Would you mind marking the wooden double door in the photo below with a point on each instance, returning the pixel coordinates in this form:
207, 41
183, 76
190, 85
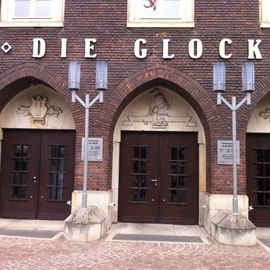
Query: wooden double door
158, 177
37, 172
258, 178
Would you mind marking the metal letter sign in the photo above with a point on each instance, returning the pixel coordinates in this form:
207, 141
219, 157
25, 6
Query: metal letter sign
95, 149
225, 152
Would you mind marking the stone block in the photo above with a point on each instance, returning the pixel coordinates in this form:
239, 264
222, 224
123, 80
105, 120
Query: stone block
230, 229
85, 224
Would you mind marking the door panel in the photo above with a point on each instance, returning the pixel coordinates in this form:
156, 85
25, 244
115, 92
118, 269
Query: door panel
37, 174
258, 178
56, 179
179, 181
166, 189
137, 170
19, 165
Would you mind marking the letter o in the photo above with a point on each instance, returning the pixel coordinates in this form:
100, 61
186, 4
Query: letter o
195, 48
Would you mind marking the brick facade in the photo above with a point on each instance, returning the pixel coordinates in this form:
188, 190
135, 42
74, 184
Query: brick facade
128, 76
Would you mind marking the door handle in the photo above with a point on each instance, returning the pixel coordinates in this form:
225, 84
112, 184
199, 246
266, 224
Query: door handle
154, 180
163, 200
35, 179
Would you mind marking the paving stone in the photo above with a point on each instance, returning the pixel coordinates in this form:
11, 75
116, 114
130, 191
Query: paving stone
60, 254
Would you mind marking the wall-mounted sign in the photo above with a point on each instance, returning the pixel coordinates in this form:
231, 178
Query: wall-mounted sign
95, 149
225, 152
141, 47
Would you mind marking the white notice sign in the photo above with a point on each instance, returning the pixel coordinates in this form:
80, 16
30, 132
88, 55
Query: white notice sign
95, 149
225, 152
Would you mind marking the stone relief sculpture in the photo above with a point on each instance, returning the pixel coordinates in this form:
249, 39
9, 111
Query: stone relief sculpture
159, 113
265, 114
39, 109
158, 109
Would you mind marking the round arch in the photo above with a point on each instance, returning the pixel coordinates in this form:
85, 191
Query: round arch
34, 115
34, 72
260, 98
25, 75
37, 107
172, 85
173, 79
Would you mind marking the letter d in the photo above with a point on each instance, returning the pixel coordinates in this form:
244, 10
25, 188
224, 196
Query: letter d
39, 47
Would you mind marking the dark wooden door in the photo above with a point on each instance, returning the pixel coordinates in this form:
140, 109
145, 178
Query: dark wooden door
258, 178
18, 169
158, 177
36, 174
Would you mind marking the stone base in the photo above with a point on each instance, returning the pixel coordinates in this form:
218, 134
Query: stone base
85, 224
101, 199
230, 229
220, 203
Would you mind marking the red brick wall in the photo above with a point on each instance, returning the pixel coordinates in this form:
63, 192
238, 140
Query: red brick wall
106, 21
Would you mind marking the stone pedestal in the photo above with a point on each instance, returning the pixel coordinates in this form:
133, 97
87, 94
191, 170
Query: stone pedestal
230, 229
85, 224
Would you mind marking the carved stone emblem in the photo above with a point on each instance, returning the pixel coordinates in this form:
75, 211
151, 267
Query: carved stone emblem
265, 114
159, 114
158, 108
38, 109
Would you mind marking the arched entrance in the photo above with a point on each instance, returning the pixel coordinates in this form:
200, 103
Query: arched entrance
160, 143
37, 157
258, 163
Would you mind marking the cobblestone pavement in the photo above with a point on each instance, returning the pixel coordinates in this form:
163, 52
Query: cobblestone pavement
43, 254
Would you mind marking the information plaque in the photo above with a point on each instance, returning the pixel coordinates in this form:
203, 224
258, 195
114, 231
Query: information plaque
225, 152
95, 149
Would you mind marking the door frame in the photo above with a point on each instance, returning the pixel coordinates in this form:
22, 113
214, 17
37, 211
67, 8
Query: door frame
156, 207
135, 106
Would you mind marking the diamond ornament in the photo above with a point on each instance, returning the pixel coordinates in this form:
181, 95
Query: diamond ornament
6, 47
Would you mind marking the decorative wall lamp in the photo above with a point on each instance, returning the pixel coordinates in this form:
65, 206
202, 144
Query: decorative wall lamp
74, 86
248, 82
